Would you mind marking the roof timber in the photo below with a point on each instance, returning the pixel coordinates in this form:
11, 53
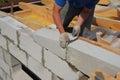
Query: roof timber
108, 12
107, 23
104, 2
34, 16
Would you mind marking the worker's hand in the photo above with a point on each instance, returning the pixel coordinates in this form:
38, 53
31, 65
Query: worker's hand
76, 31
64, 39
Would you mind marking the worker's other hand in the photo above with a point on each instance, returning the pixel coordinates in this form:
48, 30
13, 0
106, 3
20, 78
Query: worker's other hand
76, 31
64, 40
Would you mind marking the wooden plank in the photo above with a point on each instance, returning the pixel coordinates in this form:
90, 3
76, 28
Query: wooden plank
104, 2
48, 2
104, 42
107, 23
31, 24
100, 75
43, 12
108, 12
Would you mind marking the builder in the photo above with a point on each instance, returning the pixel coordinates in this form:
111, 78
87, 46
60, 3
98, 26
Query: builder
82, 8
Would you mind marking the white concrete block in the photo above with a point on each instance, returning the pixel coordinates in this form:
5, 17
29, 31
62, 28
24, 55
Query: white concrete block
59, 67
9, 26
21, 75
3, 42
18, 54
87, 57
9, 59
2, 75
9, 29
28, 45
5, 66
49, 39
16, 68
37, 68
1, 53
13, 22
55, 77
9, 78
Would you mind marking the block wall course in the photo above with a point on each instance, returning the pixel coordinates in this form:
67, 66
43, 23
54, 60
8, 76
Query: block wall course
8, 28
40, 52
1, 53
27, 44
59, 66
49, 39
5, 66
18, 53
2, 74
87, 57
37, 68
3, 42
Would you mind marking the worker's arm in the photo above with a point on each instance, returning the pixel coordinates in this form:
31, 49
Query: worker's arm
83, 16
63, 38
57, 18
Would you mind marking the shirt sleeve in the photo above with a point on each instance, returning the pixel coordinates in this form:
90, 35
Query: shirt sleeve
60, 3
92, 4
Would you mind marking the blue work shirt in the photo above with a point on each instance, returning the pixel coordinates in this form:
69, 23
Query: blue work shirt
78, 3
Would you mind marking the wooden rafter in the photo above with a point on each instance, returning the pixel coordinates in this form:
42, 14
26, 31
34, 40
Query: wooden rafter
107, 23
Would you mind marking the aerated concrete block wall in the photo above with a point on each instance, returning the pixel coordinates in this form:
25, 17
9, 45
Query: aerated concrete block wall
40, 52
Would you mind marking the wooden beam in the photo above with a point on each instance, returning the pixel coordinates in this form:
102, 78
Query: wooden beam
48, 2
104, 2
107, 23
34, 14
29, 23
108, 12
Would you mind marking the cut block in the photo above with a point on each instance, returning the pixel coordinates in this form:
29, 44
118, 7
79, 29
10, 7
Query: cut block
55, 77
9, 59
37, 68
82, 54
49, 39
2, 74
21, 75
60, 67
9, 26
5, 66
1, 53
27, 44
18, 54
3, 42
